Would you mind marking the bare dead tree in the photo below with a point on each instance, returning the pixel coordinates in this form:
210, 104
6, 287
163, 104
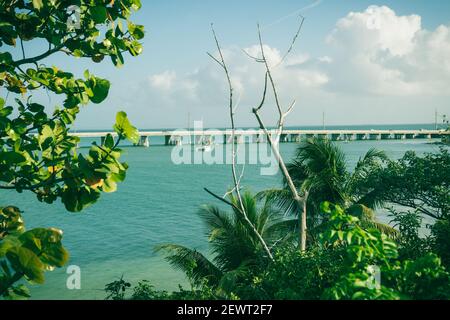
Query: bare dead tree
236, 180
274, 140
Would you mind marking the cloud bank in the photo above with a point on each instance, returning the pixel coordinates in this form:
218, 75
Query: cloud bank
376, 65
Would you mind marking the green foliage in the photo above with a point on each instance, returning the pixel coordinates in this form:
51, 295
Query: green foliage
418, 182
124, 128
423, 278
293, 275
363, 249
235, 248
441, 240
26, 253
37, 151
116, 290
145, 291
411, 245
344, 265
350, 261
319, 168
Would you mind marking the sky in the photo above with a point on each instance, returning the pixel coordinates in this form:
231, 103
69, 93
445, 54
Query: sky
356, 61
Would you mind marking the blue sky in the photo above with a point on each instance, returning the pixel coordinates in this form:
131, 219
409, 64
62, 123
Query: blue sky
395, 72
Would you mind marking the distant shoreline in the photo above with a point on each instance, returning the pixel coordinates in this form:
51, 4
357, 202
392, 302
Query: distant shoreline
427, 126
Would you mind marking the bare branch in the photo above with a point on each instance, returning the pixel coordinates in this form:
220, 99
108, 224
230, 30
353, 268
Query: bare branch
252, 57
214, 58
236, 180
239, 180
274, 141
294, 40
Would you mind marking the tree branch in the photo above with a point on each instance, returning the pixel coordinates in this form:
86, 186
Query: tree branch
274, 143
236, 180
39, 57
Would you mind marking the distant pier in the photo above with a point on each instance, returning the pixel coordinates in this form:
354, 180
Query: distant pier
178, 137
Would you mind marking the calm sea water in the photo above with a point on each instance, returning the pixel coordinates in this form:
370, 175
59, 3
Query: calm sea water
156, 204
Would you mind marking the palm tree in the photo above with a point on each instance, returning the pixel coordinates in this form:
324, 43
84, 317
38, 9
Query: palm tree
319, 168
235, 248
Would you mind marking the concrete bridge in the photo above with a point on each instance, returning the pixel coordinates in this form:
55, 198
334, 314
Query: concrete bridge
177, 137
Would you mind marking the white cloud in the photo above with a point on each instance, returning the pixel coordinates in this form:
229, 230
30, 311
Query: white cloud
205, 91
374, 62
163, 81
381, 53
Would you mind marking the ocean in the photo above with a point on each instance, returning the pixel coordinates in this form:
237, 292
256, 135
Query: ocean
156, 204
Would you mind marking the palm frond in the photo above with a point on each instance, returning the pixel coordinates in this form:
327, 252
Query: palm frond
191, 262
282, 199
372, 199
367, 220
382, 227
281, 229
215, 220
371, 156
231, 278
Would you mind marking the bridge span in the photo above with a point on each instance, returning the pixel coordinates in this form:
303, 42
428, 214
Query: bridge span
177, 137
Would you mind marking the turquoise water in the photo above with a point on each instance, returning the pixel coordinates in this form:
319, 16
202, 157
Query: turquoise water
156, 204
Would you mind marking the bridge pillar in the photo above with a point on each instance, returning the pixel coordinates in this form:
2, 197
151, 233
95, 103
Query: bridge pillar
209, 139
385, 136
374, 136
335, 136
144, 141
177, 140
167, 140
410, 136
349, 137
284, 138
261, 138
360, 136
309, 135
399, 136
423, 136
199, 140
296, 138
238, 139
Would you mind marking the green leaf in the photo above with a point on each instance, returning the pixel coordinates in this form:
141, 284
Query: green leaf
50, 250
100, 89
27, 262
8, 243
137, 31
36, 107
98, 14
20, 292
109, 186
123, 127
109, 141
12, 157
76, 200
37, 4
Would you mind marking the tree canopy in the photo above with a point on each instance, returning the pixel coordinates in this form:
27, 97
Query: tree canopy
38, 153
